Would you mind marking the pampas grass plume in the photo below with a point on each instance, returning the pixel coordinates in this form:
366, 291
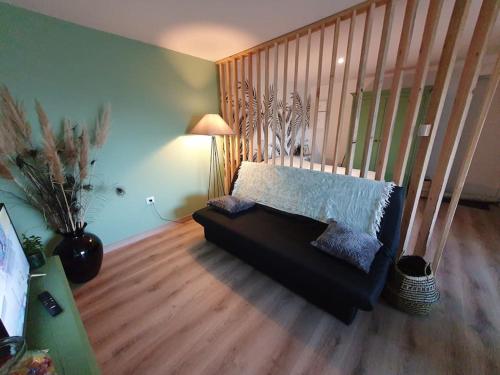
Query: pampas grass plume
50, 149
5, 172
70, 151
83, 161
102, 127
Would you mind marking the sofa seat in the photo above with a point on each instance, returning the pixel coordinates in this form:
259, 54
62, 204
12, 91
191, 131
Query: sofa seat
278, 244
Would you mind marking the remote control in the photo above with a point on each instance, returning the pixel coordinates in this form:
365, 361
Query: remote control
50, 303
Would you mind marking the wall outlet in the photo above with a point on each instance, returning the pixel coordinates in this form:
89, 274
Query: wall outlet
150, 200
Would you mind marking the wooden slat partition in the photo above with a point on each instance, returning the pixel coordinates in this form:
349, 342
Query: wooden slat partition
315, 26
318, 93
330, 91
464, 168
353, 128
237, 111
417, 89
343, 95
275, 101
377, 87
266, 105
259, 115
397, 82
283, 123
433, 116
468, 79
304, 104
242, 104
294, 114
250, 107
244, 113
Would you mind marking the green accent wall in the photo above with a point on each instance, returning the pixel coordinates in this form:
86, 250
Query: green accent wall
154, 94
397, 132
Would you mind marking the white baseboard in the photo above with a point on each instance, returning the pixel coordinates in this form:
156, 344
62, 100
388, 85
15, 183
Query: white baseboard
141, 236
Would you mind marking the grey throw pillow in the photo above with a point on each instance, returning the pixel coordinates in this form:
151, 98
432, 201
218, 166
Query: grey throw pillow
355, 247
230, 205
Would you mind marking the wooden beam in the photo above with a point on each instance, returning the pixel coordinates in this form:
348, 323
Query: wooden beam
329, 99
464, 168
294, 114
315, 26
283, 120
259, 115
274, 119
266, 106
397, 81
222, 88
433, 116
243, 109
318, 92
304, 99
353, 129
230, 117
468, 79
343, 95
377, 87
250, 107
237, 136
428, 38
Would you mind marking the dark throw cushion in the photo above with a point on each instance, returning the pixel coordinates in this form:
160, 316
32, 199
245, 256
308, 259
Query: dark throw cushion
230, 205
355, 247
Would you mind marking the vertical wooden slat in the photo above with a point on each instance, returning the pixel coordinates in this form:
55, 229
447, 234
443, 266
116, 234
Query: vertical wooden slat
468, 79
377, 87
294, 114
237, 112
353, 129
397, 81
304, 99
343, 95
274, 120
329, 99
318, 92
258, 126
243, 109
250, 107
433, 116
428, 38
283, 119
266, 106
230, 117
222, 84
464, 168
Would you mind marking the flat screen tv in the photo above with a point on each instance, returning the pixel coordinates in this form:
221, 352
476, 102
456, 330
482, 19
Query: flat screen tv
14, 278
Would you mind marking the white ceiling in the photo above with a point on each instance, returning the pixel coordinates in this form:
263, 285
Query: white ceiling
208, 29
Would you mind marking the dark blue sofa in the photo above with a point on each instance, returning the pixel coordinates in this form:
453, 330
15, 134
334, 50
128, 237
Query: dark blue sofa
278, 244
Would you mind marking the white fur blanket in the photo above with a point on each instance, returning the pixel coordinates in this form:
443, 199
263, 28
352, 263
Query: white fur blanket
356, 202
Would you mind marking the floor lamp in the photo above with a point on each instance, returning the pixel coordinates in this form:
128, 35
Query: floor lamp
213, 125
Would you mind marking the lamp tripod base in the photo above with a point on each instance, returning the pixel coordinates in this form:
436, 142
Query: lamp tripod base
215, 177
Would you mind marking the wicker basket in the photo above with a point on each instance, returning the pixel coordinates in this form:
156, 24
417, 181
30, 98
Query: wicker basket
411, 286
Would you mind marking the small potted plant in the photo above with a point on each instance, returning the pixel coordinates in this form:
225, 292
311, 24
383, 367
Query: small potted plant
33, 248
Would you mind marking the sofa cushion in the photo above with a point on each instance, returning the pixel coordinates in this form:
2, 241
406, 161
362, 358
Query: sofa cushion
282, 241
355, 247
230, 205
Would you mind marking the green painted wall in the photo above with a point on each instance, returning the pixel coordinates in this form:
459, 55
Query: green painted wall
154, 94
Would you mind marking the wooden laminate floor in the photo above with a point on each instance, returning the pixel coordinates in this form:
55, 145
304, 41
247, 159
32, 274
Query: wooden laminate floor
176, 304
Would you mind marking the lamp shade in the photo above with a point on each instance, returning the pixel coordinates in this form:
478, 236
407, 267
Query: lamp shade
212, 124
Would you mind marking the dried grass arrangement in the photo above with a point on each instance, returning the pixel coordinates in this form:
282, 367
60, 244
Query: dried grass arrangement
56, 177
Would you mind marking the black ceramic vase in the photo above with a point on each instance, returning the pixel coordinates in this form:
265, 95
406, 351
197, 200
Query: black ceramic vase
81, 255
